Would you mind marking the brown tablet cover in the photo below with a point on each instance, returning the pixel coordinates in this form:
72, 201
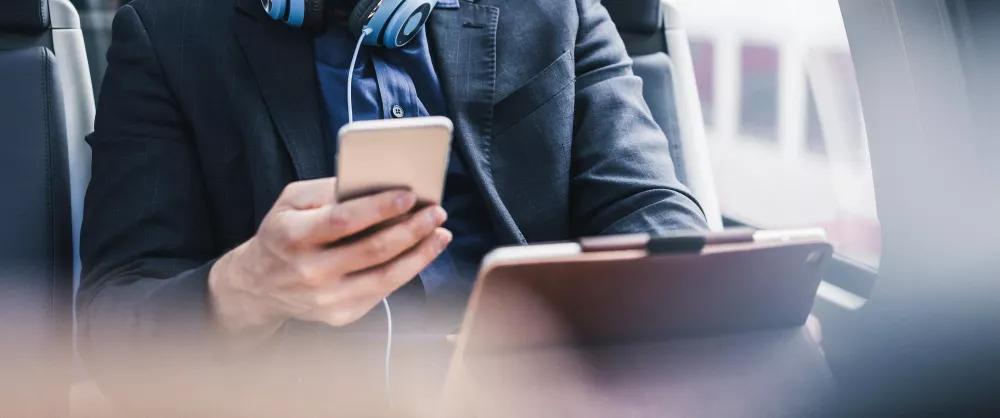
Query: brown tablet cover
607, 296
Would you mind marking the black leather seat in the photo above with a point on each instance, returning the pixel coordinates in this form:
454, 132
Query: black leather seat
36, 240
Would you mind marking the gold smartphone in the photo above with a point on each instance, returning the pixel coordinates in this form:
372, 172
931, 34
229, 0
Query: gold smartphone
379, 155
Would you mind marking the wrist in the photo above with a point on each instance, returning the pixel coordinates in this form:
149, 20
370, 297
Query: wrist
233, 308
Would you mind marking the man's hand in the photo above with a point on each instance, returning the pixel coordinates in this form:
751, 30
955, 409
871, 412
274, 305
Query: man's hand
306, 262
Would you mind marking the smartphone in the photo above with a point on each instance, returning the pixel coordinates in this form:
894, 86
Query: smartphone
379, 155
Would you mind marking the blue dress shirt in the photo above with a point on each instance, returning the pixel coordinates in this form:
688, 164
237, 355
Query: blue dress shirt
389, 83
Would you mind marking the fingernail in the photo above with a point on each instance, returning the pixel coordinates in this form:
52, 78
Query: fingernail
437, 215
443, 239
405, 200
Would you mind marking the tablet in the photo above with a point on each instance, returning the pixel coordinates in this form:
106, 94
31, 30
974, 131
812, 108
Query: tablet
635, 288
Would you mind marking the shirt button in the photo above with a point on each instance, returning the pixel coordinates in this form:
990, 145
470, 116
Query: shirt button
397, 111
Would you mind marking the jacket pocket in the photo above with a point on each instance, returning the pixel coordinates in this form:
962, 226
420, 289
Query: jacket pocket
535, 93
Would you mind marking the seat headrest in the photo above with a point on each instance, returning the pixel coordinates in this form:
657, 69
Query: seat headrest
636, 16
24, 16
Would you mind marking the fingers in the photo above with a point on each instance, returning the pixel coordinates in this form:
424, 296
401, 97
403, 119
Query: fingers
298, 229
308, 194
336, 222
345, 301
333, 222
311, 248
373, 250
379, 282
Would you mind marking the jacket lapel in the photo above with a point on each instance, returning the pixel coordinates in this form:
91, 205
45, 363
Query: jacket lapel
464, 48
282, 61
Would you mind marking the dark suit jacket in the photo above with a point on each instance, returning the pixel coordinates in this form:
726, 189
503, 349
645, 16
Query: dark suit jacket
209, 108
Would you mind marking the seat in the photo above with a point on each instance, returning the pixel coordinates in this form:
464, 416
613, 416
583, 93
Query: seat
45, 110
55, 25
95, 18
35, 236
661, 56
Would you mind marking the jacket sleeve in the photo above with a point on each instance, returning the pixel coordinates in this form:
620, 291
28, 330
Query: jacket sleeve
146, 241
623, 179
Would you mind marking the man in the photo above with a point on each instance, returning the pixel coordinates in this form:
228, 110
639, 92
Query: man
211, 210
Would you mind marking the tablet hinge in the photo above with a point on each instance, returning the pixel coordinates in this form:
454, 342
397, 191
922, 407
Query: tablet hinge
683, 242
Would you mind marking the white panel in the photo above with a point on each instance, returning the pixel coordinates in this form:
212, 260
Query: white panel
692, 126
63, 15
78, 101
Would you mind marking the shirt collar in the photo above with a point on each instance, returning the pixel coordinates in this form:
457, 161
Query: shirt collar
447, 4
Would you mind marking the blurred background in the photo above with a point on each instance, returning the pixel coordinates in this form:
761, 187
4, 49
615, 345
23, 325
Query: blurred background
783, 117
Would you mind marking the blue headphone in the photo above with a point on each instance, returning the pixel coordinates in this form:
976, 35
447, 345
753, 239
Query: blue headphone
393, 23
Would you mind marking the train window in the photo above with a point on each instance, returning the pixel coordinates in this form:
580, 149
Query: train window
787, 138
815, 142
759, 92
703, 55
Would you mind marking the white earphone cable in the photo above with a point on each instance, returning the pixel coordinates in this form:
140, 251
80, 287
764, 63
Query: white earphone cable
388, 351
350, 119
350, 74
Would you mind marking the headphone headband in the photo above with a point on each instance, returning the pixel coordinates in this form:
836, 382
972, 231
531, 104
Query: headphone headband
393, 23
363, 12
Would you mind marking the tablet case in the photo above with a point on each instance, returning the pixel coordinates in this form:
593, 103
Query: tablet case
635, 288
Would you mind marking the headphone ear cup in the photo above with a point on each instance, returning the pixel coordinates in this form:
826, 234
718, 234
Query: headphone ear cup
313, 13
360, 14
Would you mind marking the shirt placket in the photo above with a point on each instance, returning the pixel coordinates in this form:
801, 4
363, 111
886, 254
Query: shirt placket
396, 91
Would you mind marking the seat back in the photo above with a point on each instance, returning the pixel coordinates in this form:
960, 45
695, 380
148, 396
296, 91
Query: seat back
661, 56
46, 108
36, 279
